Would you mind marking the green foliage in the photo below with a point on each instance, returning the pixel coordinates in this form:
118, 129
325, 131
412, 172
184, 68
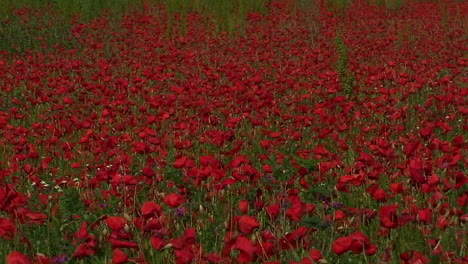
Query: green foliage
311, 165
388, 4
316, 222
33, 29
346, 79
85, 9
70, 203
227, 16
338, 6
316, 193
19, 34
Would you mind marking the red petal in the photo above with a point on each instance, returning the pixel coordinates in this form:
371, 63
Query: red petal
149, 208
189, 236
16, 257
116, 222
119, 257
83, 251
123, 244
247, 224
174, 200
180, 162
315, 254
7, 229
341, 245
83, 232
247, 250
157, 243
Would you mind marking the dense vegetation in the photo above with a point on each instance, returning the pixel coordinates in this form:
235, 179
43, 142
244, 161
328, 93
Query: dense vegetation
209, 131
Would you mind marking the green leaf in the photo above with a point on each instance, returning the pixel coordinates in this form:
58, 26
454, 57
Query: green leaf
315, 222
311, 165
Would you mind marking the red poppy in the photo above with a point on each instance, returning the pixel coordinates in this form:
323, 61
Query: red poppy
157, 243
82, 251
180, 162
296, 210
7, 228
184, 256
248, 252
243, 206
413, 257
174, 200
315, 254
360, 242
247, 224
388, 216
119, 257
82, 233
341, 245
116, 222
189, 237
16, 257
150, 208
41, 259
214, 258
425, 216
115, 243
397, 187
371, 249
273, 211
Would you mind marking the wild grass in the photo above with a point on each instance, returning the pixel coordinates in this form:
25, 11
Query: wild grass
45, 24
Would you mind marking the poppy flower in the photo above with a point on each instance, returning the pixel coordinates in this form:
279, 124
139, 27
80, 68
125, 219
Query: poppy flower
115, 243
7, 228
341, 245
425, 216
16, 257
247, 224
184, 256
214, 258
82, 251
296, 210
273, 211
116, 222
41, 259
150, 208
371, 249
360, 242
180, 162
174, 200
315, 254
243, 206
388, 216
248, 251
82, 233
118, 256
157, 243
414, 257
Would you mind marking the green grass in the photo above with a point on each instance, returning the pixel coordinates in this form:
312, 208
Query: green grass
46, 24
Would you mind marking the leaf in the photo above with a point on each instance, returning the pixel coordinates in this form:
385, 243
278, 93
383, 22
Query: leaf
311, 165
71, 204
315, 222
318, 192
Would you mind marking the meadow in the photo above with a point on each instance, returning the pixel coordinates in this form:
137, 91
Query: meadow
233, 131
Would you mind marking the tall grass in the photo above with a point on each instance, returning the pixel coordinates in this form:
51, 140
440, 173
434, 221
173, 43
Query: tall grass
346, 78
388, 4
20, 31
44, 24
227, 15
85, 9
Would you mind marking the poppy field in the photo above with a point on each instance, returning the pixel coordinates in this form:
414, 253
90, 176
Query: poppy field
234, 131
